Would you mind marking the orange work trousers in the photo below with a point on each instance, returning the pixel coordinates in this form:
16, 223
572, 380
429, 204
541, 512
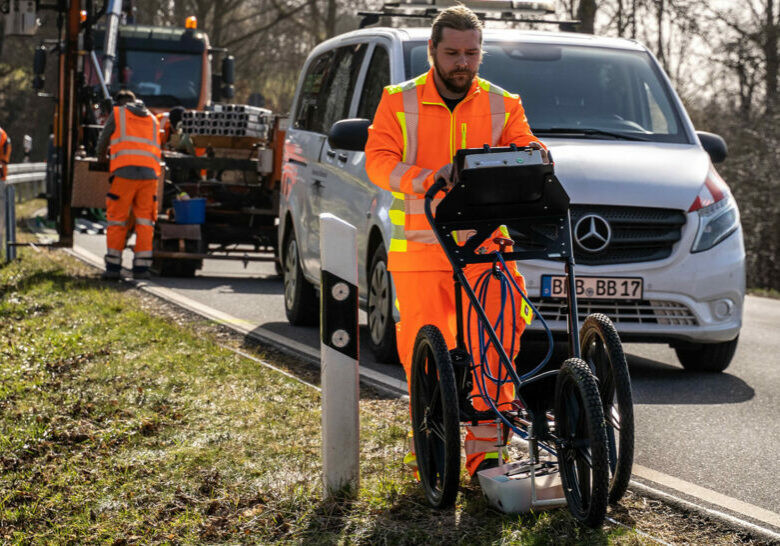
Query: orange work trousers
141, 195
428, 297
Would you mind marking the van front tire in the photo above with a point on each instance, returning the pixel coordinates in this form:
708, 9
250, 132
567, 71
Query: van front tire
706, 357
301, 304
381, 326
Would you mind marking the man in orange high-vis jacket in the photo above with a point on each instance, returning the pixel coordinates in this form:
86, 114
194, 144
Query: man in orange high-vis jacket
5, 153
132, 140
417, 128
168, 123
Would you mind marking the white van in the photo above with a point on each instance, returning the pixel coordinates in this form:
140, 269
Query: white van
658, 242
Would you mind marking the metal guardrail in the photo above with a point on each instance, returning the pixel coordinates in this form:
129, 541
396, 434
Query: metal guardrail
23, 181
28, 179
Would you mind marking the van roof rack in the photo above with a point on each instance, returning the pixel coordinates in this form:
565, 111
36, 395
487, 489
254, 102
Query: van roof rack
508, 11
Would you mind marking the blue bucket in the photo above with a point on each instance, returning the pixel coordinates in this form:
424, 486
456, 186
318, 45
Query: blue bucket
190, 211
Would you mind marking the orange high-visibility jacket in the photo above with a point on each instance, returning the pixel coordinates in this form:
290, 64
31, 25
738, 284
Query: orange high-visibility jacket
413, 135
5, 153
135, 141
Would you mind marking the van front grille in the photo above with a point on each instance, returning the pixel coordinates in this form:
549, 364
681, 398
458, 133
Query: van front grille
638, 234
621, 312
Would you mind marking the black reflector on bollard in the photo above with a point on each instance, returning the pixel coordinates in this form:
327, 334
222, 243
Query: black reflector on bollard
339, 314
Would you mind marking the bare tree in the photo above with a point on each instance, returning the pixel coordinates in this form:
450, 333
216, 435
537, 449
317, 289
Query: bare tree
752, 29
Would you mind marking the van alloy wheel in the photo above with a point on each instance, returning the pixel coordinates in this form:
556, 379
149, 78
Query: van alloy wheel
381, 300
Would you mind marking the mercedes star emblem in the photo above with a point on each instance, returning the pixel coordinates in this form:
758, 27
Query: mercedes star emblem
592, 233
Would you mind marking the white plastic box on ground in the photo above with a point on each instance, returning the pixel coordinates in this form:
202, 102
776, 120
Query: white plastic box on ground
512, 489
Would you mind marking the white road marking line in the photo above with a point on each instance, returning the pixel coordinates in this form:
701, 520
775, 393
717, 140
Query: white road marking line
270, 366
708, 495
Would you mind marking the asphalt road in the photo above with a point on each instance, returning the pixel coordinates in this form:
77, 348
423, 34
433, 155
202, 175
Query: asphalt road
712, 439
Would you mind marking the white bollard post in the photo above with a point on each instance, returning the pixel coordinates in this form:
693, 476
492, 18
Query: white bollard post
339, 354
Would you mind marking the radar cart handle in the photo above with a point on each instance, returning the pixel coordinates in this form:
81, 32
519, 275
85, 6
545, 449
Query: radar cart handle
439, 185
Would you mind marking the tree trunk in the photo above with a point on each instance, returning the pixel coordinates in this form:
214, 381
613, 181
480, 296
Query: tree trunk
330, 21
619, 16
586, 13
660, 22
771, 57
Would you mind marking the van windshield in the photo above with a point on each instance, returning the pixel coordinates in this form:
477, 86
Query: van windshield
578, 91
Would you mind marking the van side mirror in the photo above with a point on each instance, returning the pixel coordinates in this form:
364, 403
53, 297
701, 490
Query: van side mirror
349, 134
714, 145
229, 70
39, 67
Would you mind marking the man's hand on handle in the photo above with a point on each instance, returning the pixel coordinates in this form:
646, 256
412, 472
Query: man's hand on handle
537, 146
446, 172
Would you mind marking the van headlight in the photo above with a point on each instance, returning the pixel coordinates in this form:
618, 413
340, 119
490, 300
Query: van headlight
716, 222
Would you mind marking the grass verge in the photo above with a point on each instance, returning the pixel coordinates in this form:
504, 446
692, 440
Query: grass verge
124, 421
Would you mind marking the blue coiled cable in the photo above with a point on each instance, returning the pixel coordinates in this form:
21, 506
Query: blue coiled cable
482, 372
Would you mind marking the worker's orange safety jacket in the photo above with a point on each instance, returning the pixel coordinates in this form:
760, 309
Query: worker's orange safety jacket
5, 154
413, 135
135, 141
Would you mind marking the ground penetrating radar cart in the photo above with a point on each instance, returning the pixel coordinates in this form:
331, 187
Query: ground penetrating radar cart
576, 418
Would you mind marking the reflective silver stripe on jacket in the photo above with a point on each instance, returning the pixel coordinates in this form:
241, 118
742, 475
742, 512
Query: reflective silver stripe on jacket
397, 174
123, 136
135, 152
144, 222
421, 236
497, 113
417, 206
412, 117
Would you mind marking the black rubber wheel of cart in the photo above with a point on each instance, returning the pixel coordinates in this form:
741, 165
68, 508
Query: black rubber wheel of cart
582, 443
602, 351
435, 418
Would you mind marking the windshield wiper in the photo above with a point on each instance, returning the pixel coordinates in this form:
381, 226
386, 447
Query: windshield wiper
587, 131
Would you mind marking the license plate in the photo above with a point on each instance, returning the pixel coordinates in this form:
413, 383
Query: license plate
597, 288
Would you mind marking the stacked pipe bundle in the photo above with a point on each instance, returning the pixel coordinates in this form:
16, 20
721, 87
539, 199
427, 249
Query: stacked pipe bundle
228, 120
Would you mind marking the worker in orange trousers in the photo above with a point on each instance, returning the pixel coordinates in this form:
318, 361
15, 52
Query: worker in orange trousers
132, 141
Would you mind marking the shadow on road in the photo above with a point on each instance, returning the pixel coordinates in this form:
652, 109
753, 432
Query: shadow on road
308, 339
260, 285
658, 383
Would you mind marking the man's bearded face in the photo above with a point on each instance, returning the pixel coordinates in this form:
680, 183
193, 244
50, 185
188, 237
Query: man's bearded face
456, 58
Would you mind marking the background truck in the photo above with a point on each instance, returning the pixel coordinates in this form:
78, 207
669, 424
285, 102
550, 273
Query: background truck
100, 51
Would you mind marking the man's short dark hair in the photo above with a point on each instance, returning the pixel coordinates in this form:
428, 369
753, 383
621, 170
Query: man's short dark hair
124, 96
175, 115
457, 17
